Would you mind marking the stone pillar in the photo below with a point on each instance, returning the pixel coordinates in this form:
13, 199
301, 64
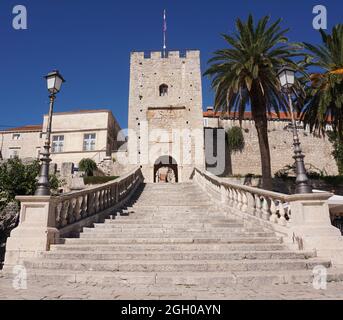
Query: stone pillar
311, 228
36, 230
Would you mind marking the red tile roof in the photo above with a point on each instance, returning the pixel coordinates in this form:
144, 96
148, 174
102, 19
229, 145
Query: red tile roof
247, 115
30, 128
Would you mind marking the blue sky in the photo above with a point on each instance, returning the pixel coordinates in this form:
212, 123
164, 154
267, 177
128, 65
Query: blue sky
90, 42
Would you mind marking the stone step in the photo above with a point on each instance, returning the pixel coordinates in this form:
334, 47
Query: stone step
175, 256
189, 205
240, 240
169, 247
131, 224
177, 266
96, 233
167, 219
139, 221
138, 280
173, 229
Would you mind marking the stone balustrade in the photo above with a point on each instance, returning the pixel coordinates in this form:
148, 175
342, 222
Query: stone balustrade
73, 207
45, 220
301, 220
262, 204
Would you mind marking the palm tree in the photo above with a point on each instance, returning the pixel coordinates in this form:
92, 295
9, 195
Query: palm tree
245, 75
325, 93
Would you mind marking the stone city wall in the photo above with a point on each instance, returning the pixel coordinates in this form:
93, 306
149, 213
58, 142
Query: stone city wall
318, 151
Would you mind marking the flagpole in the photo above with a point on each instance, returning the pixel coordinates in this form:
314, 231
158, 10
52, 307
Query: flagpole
164, 33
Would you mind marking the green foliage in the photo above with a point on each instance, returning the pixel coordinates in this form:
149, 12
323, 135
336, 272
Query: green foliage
88, 166
17, 178
338, 151
235, 139
325, 90
98, 180
289, 171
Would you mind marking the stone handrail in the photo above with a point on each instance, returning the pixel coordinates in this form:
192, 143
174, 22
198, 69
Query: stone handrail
302, 220
73, 207
267, 205
45, 221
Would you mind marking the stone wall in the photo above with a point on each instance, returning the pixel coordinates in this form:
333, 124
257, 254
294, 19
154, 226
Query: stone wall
179, 109
318, 151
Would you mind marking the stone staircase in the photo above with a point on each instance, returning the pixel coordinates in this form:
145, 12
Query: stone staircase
172, 235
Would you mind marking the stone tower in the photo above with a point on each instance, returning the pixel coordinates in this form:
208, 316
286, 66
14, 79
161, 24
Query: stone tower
165, 114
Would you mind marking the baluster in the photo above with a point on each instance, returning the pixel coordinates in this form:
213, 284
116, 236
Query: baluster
273, 210
58, 215
71, 215
92, 203
101, 200
84, 209
251, 204
282, 212
231, 200
112, 196
105, 198
258, 211
97, 202
77, 210
239, 200
116, 193
244, 202
265, 209
64, 211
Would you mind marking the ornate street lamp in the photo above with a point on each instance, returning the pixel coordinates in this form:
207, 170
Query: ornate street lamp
54, 82
287, 79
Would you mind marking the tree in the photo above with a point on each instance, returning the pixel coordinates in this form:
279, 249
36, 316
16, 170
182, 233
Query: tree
245, 75
88, 166
20, 179
324, 104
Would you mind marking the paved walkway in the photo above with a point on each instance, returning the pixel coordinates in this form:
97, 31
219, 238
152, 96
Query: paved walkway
43, 291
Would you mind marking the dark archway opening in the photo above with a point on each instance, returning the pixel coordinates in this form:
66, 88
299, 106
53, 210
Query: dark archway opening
166, 170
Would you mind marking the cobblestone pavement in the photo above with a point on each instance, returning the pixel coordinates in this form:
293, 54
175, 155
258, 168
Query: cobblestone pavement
43, 291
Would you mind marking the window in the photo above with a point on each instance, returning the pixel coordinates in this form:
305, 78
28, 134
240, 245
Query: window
89, 142
205, 122
163, 90
57, 144
16, 136
14, 153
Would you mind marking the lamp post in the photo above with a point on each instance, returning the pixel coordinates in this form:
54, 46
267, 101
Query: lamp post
54, 82
287, 79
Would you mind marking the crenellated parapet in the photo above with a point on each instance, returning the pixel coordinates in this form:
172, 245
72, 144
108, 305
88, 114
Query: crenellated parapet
157, 55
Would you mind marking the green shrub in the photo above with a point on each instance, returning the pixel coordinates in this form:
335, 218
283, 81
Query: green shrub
235, 139
98, 180
88, 166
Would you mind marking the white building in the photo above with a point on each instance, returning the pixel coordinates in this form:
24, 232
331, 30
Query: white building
75, 135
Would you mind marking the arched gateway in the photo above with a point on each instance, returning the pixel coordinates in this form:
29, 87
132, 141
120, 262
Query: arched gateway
166, 170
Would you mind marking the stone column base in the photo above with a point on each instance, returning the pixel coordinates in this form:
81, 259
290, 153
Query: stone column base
35, 233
